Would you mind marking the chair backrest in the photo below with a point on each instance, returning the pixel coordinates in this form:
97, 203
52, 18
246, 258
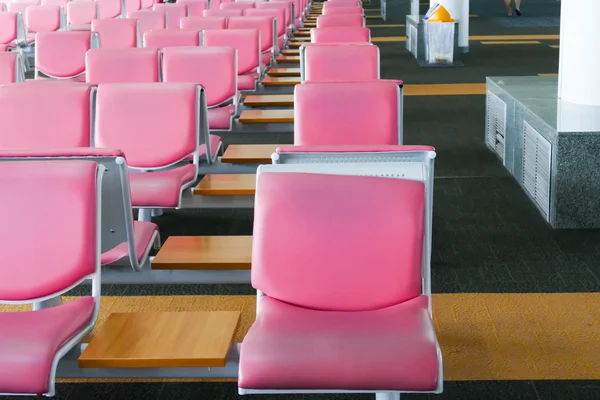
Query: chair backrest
12, 68
354, 34
214, 68
195, 7
246, 41
349, 113
147, 4
110, 8
122, 65
222, 13
237, 6
310, 229
62, 115
149, 19
202, 23
330, 63
277, 14
82, 12
276, 6
12, 27
265, 25
30, 235
133, 5
343, 10
44, 18
62, 54
20, 7
55, 3
297, 6
340, 4
117, 33
154, 124
161, 38
175, 11
336, 20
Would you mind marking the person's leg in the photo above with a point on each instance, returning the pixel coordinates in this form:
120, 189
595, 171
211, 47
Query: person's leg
518, 7
508, 7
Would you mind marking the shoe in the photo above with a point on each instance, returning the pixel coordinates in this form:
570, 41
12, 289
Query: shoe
518, 12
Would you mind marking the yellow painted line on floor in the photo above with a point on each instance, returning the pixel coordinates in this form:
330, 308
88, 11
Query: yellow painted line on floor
388, 39
513, 42
554, 46
445, 89
373, 17
516, 336
473, 16
547, 74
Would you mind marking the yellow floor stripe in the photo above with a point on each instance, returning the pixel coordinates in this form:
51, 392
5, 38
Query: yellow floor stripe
554, 46
548, 74
388, 39
513, 42
521, 336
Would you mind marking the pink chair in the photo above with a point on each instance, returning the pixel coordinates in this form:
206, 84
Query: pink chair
12, 68
268, 33
215, 69
110, 8
237, 6
44, 18
67, 105
341, 4
372, 113
278, 15
155, 142
118, 33
202, 23
122, 65
195, 7
134, 5
161, 38
379, 314
354, 34
81, 13
339, 63
343, 10
61, 55
62, 3
20, 7
277, 6
34, 272
298, 10
222, 13
175, 11
148, 4
124, 242
339, 20
149, 20
12, 29
247, 43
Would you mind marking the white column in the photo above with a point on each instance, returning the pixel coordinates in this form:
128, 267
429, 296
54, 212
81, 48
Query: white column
579, 60
459, 9
414, 7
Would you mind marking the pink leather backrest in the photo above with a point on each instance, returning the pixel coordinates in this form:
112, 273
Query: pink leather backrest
297, 6
338, 4
81, 12
153, 123
147, 4
214, 68
355, 34
335, 20
61, 109
349, 113
133, 5
246, 41
195, 7
8, 27
263, 24
116, 33
43, 18
8, 67
61, 54
20, 7
222, 13
46, 252
343, 10
201, 23
175, 11
330, 63
110, 8
122, 65
276, 6
149, 19
55, 3
278, 14
338, 242
161, 38
237, 6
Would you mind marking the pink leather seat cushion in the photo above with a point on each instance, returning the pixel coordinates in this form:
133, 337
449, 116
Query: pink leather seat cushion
220, 117
215, 143
159, 189
143, 232
266, 58
290, 347
247, 81
29, 341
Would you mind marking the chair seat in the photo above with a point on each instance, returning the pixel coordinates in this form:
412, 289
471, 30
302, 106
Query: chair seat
160, 189
4, 47
143, 233
220, 117
247, 81
266, 57
29, 341
281, 42
78, 78
215, 144
289, 347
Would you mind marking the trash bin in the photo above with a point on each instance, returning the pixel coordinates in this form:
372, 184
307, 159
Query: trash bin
439, 42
